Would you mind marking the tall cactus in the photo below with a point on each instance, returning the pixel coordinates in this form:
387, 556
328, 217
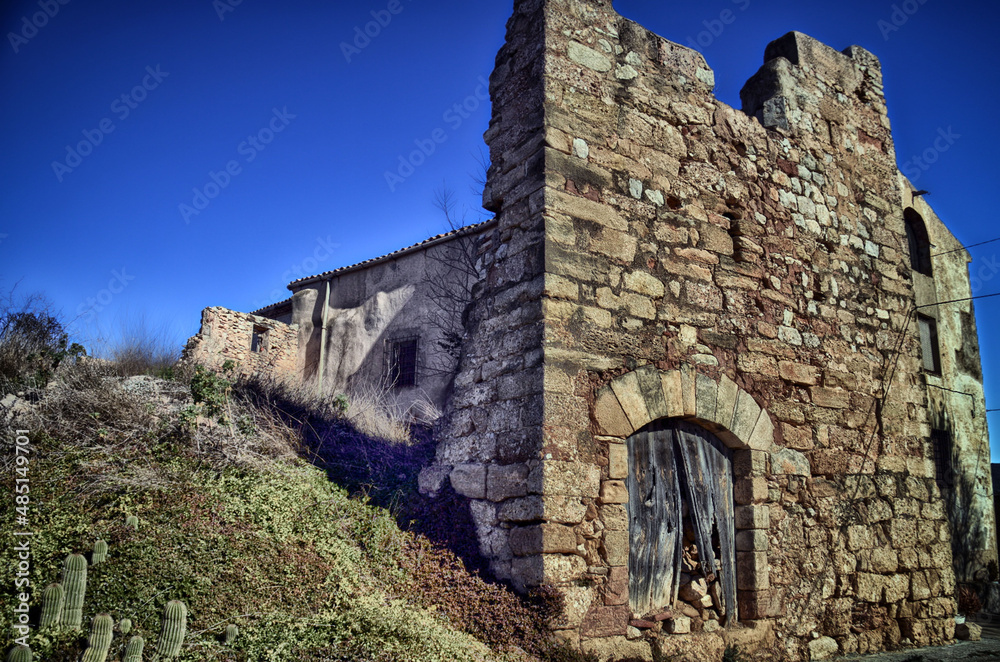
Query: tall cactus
101, 633
125, 625
100, 554
174, 628
232, 631
52, 605
133, 652
19, 654
132, 522
75, 584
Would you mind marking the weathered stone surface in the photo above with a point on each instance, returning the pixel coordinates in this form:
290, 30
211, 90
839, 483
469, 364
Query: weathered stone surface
968, 632
605, 622
469, 480
788, 462
678, 625
616, 588
753, 517
506, 481
614, 548
823, 648
542, 538
609, 416
564, 510
614, 491
617, 461
564, 479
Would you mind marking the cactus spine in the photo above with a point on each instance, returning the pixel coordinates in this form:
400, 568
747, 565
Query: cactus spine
19, 654
125, 625
75, 584
174, 628
132, 522
100, 554
133, 652
52, 605
101, 632
231, 633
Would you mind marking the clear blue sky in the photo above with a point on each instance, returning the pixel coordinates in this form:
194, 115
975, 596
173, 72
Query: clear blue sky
164, 94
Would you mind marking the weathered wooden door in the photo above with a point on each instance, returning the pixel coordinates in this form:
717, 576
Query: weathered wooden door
671, 461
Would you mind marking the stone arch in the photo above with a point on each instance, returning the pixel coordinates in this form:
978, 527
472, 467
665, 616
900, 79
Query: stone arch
634, 400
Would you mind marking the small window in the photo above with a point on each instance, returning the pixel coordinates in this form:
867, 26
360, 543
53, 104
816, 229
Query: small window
258, 342
919, 243
403, 362
941, 442
929, 351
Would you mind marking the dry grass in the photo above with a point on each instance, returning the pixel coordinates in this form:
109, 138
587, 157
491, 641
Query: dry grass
139, 349
372, 410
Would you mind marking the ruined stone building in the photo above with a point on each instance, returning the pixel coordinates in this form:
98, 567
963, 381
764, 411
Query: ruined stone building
710, 373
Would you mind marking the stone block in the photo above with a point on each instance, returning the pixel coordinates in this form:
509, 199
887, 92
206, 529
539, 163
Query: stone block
469, 480
752, 540
615, 517
507, 481
745, 416
725, 406
651, 387
797, 373
788, 462
614, 548
616, 588
706, 394
968, 632
752, 572
614, 491
760, 605
748, 491
762, 437
564, 479
575, 602
609, 417
823, 648
561, 509
870, 587
617, 461
630, 397
604, 621
678, 625
431, 479
830, 398
753, 517
673, 392
689, 390
749, 463
542, 539
547, 569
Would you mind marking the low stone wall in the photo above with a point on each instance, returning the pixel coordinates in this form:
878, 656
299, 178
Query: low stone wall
227, 335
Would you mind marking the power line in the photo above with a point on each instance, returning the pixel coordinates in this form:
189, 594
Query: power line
982, 243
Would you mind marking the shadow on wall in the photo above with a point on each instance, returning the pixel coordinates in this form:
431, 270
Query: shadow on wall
383, 471
958, 490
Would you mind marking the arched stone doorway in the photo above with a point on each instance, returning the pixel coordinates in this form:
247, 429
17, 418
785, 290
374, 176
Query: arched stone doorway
681, 521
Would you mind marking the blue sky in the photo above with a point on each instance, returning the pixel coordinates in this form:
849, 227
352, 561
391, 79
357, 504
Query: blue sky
218, 150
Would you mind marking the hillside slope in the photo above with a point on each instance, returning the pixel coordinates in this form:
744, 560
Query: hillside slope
234, 523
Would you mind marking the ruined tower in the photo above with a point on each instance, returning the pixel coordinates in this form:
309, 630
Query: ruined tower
684, 299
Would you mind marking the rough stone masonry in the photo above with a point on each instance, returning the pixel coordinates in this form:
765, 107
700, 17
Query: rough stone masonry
704, 342
658, 256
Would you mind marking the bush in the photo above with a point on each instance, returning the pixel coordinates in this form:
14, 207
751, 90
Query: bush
33, 342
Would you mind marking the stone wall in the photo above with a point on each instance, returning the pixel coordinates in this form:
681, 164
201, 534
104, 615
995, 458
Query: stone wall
227, 335
659, 254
